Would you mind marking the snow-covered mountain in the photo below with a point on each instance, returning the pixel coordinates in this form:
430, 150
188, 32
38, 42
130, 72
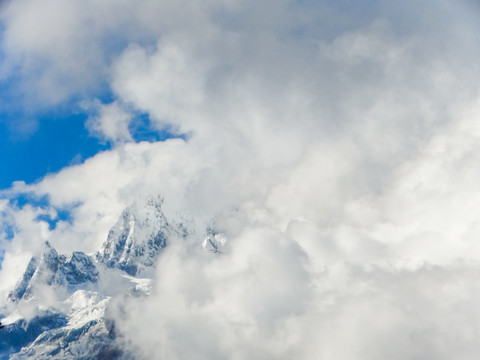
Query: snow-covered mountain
139, 235
59, 308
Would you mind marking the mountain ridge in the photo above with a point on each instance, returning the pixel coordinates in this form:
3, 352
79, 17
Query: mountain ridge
76, 325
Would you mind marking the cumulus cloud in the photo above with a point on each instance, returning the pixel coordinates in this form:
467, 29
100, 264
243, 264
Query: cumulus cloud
110, 122
334, 146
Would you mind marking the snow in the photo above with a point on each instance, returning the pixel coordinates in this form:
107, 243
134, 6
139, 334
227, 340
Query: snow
85, 306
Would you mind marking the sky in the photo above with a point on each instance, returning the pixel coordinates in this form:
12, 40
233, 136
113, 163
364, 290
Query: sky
335, 144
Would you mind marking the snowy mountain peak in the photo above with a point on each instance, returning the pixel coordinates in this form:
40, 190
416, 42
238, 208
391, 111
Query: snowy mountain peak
138, 237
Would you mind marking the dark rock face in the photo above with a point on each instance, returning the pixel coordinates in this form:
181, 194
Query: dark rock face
21, 333
79, 269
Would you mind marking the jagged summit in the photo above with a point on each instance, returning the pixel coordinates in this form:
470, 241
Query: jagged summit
54, 269
139, 235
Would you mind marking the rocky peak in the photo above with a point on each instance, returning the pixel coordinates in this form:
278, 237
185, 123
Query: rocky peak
138, 237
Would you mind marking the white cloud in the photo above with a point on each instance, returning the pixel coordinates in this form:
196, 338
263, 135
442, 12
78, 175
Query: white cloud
110, 122
164, 79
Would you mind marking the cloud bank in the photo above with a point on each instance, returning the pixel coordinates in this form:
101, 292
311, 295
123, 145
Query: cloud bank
335, 146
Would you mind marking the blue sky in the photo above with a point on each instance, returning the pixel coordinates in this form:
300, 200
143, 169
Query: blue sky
59, 138
57, 142
37, 139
